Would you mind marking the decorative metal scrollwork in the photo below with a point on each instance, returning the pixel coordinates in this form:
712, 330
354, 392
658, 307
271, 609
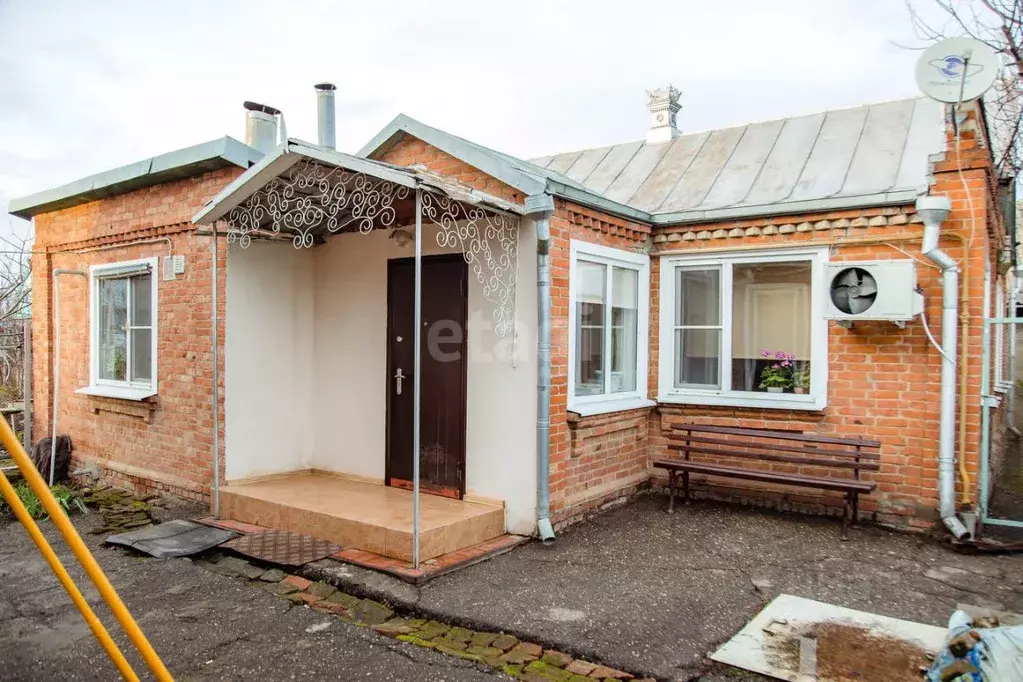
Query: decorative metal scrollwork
339, 198
490, 245
310, 197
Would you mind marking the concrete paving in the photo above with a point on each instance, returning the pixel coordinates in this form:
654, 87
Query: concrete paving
652, 593
204, 625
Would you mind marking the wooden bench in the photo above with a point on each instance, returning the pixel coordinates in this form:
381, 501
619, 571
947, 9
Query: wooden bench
847, 456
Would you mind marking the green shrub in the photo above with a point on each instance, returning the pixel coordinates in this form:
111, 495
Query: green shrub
66, 496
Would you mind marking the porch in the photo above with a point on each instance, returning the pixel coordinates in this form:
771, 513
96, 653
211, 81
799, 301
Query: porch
359, 515
380, 306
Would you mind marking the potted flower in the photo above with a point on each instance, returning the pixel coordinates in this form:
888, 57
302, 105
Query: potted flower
800, 377
777, 376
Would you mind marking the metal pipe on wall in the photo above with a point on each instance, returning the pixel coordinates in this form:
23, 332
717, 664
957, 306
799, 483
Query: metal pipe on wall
934, 210
417, 346
215, 354
56, 318
540, 208
57, 272
985, 391
26, 386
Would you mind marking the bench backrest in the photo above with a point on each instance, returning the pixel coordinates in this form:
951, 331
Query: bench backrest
787, 447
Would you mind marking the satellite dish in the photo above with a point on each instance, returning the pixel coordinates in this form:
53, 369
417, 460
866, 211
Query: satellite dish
940, 71
853, 291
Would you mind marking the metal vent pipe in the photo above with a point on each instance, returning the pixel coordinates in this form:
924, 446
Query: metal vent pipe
261, 126
326, 121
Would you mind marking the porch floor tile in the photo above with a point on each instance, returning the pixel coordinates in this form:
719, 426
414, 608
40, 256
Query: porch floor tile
363, 516
429, 569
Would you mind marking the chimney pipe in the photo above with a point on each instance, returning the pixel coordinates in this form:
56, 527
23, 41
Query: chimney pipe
261, 126
325, 119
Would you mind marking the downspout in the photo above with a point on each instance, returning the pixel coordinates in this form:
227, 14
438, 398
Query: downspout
540, 208
57, 272
934, 210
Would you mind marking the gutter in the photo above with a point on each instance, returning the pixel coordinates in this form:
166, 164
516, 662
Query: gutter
716, 215
934, 210
540, 208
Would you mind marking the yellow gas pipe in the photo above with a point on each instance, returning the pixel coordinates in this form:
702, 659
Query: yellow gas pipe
84, 556
100, 632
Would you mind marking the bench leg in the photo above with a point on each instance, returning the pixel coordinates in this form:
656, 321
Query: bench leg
671, 491
846, 513
855, 508
685, 487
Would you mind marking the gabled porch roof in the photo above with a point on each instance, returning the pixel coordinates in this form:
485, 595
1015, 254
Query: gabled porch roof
306, 191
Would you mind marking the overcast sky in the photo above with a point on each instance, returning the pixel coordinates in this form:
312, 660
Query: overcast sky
88, 86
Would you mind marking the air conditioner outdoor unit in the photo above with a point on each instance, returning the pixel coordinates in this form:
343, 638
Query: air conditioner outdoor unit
871, 291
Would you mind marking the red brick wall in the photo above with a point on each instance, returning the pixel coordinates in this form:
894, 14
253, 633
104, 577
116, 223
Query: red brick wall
411, 151
883, 381
597, 459
164, 443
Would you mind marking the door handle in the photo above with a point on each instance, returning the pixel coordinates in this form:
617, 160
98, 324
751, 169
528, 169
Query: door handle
398, 376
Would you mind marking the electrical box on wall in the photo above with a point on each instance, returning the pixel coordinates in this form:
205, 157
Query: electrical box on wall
173, 266
883, 290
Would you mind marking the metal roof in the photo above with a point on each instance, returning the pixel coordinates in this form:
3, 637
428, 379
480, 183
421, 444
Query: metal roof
176, 165
870, 155
524, 176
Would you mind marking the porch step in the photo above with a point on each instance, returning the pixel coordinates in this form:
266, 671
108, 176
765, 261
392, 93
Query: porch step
358, 515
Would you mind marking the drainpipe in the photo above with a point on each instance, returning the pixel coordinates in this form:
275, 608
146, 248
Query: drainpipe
934, 210
540, 208
57, 272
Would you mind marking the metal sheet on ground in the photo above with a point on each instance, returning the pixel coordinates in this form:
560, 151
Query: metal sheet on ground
172, 539
753, 648
282, 547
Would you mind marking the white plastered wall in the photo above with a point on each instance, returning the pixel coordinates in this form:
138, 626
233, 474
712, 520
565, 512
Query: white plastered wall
350, 382
269, 350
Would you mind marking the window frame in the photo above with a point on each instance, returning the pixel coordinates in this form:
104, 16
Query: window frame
610, 258
128, 389
667, 392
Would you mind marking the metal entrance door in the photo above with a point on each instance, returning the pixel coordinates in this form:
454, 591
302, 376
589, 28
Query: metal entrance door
443, 372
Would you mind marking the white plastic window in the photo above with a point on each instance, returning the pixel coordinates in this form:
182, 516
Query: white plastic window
743, 329
123, 345
609, 312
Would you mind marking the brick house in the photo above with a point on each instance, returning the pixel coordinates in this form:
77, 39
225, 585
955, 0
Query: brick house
674, 262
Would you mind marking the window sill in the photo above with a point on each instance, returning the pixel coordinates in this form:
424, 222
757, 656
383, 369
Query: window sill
612, 405
120, 392
804, 403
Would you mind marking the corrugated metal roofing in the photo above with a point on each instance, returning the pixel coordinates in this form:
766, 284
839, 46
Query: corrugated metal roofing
874, 151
